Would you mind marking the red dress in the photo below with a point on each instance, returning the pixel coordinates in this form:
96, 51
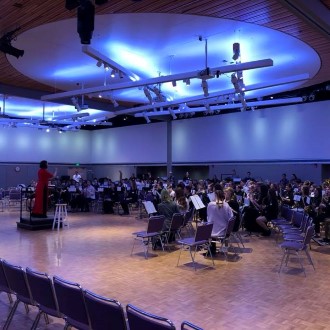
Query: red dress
41, 193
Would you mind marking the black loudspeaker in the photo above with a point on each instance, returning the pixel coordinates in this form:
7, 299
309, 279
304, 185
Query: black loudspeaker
85, 22
71, 4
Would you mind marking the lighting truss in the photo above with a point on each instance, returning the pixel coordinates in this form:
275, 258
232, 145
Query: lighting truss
160, 80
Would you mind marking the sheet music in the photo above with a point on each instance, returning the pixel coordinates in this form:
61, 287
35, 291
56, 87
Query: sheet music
196, 200
149, 206
296, 198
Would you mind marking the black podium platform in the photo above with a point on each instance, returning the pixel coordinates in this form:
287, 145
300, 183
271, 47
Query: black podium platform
26, 220
35, 223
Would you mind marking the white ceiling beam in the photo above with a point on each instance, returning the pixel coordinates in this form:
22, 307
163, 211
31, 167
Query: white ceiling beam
220, 107
90, 51
159, 80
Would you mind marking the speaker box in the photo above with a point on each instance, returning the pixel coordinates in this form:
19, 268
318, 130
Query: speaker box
85, 22
71, 4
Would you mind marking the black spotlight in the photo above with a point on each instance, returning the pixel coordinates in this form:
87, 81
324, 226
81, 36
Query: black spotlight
7, 48
85, 21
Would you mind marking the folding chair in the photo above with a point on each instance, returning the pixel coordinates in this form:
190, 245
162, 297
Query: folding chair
294, 247
71, 303
149, 236
104, 313
4, 286
201, 239
225, 239
18, 283
175, 226
139, 319
43, 294
187, 222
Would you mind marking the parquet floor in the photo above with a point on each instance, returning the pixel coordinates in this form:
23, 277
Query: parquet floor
244, 293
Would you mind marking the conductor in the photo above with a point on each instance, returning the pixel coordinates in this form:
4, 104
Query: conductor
41, 194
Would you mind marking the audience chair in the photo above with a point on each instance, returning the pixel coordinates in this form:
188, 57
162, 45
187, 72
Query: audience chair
201, 239
104, 313
187, 222
298, 234
185, 325
43, 294
18, 283
4, 286
294, 247
237, 235
225, 239
175, 226
14, 197
71, 302
139, 319
149, 236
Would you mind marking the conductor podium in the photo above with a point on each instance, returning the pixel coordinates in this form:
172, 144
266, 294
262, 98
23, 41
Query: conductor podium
26, 220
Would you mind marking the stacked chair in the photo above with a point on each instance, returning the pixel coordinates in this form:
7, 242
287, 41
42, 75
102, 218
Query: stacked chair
296, 230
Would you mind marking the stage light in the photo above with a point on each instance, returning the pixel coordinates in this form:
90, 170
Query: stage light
311, 97
7, 48
174, 83
75, 102
205, 87
236, 51
172, 113
146, 118
187, 81
148, 94
99, 63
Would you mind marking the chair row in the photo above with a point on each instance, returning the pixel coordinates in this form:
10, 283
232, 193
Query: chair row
154, 234
296, 229
80, 308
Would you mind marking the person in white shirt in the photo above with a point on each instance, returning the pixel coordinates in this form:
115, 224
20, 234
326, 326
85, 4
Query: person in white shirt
76, 176
219, 213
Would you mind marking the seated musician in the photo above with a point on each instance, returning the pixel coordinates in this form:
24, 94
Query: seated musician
167, 207
219, 213
230, 198
256, 194
181, 200
269, 211
88, 195
287, 195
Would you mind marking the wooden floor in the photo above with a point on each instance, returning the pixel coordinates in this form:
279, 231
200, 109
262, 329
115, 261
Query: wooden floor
244, 293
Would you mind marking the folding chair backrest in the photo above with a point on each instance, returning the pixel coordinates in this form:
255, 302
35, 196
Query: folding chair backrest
309, 235
71, 302
139, 319
4, 286
43, 293
177, 221
104, 313
188, 216
185, 325
289, 215
18, 283
230, 226
297, 218
203, 232
155, 223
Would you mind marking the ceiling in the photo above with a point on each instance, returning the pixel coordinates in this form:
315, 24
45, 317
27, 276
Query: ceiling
159, 45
